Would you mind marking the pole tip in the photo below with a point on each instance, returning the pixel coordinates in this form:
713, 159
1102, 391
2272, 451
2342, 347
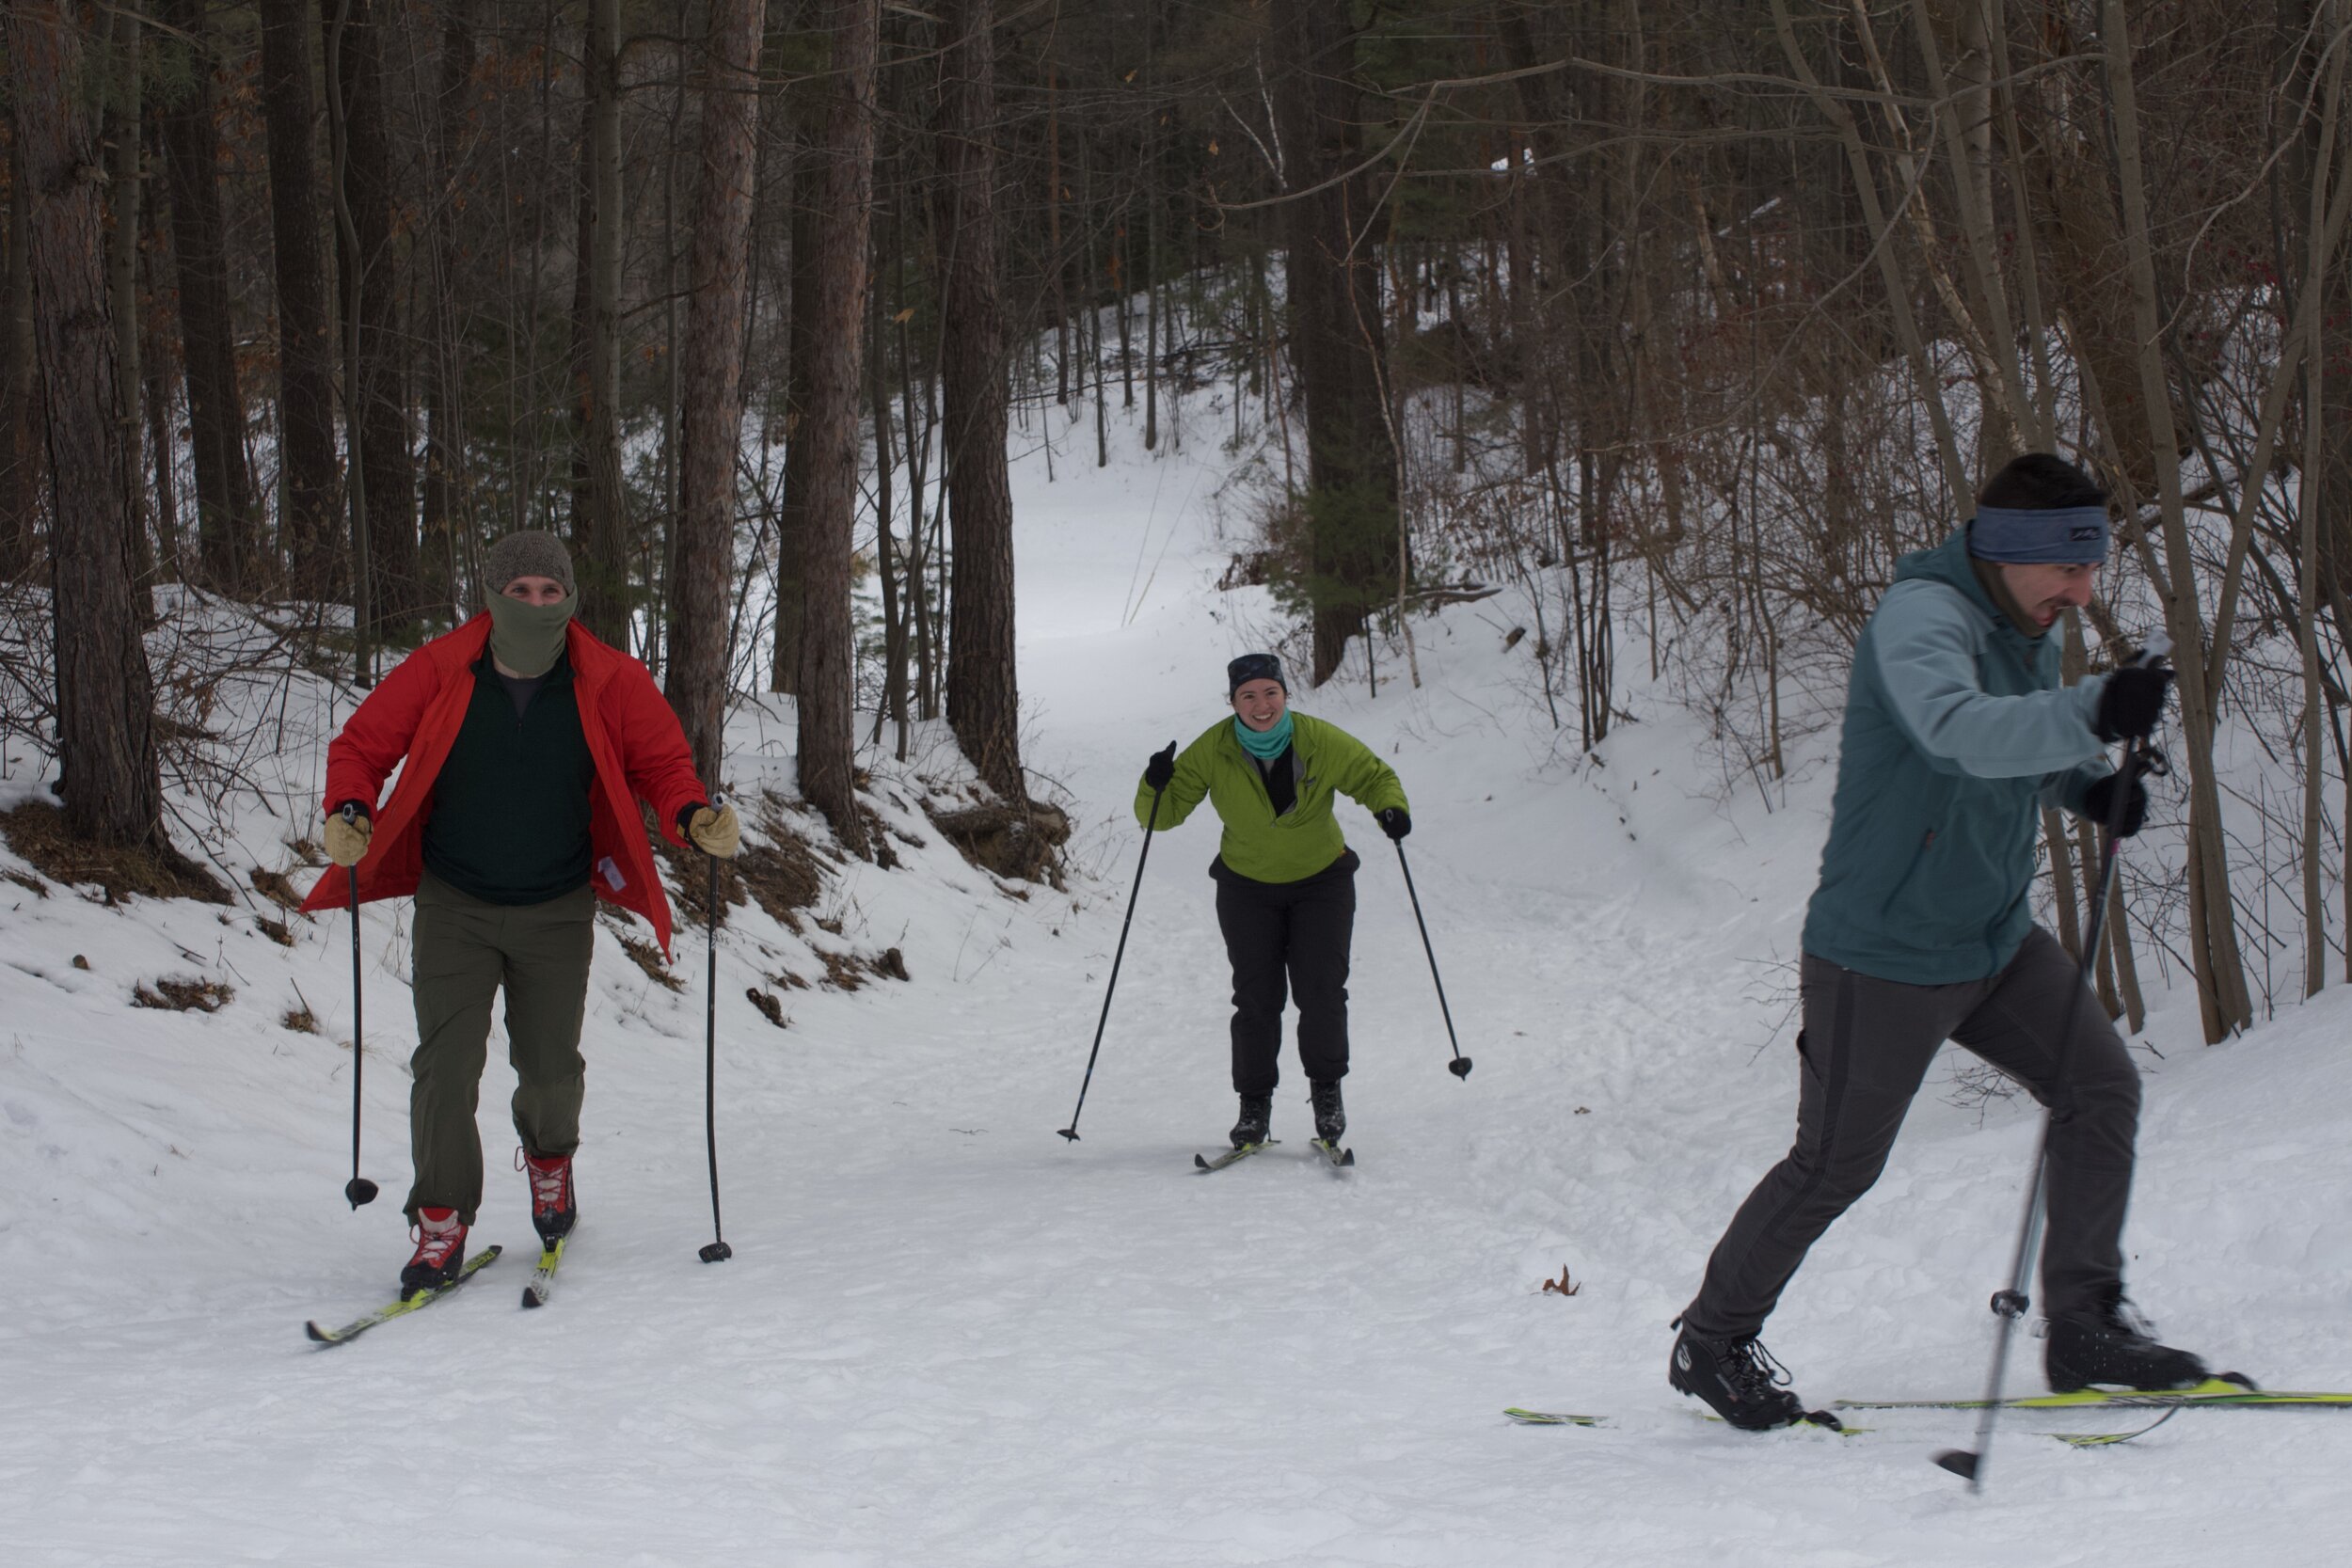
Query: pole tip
717, 1251
1069, 1133
359, 1190
1960, 1461
1460, 1067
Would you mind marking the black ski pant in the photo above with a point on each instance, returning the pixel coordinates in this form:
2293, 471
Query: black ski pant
1862, 1054
1288, 938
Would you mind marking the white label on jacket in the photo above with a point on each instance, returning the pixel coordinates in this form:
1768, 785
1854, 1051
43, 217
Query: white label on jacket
612, 874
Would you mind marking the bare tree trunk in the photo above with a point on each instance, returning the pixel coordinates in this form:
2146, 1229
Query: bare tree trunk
448, 498
599, 528
801, 349
125, 39
2220, 971
23, 463
224, 486
377, 379
885, 461
112, 786
156, 374
827, 709
983, 694
306, 334
711, 420
1335, 327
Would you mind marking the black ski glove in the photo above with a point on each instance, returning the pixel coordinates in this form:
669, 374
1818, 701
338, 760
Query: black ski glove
1161, 769
1395, 821
2099, 805
2131, 703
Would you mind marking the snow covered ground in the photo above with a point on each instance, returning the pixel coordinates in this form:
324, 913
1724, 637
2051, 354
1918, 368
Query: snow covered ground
947, 1337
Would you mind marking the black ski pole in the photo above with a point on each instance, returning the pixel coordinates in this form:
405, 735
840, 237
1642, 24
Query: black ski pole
1071, 1132
718, 1251
1460, 1066
358, 1189
2009, 1306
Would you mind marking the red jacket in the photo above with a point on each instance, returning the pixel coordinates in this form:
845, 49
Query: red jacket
639, 751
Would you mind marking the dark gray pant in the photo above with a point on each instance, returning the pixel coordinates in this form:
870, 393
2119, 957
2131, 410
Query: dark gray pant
1864, 1050
466, 951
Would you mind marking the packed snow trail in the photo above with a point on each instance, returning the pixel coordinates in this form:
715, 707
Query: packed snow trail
948, 1337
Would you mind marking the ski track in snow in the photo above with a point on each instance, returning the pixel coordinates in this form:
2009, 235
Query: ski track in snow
948, 1337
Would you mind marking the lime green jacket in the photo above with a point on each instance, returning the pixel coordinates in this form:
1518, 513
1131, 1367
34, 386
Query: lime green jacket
1257, 843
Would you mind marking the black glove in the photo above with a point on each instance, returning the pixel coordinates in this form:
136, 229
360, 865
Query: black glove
2131, 703
2099, 805
1161, 769
1395, 821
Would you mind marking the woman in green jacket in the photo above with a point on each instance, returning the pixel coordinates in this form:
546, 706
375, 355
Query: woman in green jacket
1285, 877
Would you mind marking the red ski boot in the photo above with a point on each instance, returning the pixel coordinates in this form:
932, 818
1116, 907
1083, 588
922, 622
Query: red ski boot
554, 1208
440, 1252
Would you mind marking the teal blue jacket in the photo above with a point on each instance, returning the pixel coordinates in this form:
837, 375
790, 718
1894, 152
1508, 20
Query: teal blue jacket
1957, 734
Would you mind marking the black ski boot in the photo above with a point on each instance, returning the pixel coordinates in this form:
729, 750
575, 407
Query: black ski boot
1331, 1115
1257, 1114
2111, 1346
1738, 1379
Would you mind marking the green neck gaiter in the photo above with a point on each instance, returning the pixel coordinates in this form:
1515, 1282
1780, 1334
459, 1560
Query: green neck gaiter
527, 638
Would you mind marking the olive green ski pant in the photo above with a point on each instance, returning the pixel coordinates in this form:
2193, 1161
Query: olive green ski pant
466, 949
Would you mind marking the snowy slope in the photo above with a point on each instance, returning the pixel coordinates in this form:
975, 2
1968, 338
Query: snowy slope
948, 1337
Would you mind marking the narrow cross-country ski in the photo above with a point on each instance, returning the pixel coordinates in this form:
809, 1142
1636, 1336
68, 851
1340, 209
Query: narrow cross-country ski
1202, 1161
401, 1309
1342, 1159
541, 1284
1826, 1422
2227, 1392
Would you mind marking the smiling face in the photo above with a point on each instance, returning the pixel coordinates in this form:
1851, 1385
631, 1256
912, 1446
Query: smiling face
1260, 704
539, 591
2042, 591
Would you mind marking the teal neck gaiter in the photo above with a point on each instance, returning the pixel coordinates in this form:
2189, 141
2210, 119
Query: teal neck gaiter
527, 638
1265, 745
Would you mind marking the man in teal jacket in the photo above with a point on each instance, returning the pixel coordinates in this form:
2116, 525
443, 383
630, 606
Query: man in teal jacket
1285, 877
1957, 734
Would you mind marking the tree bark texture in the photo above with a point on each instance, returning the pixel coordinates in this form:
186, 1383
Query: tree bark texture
983, 696
112, 787
1335, 326
226, 525
23, 462
377, 380
799, 353
829, 426
2220, 969
448, 505
711, 418
121, 136
306, 333
599, 530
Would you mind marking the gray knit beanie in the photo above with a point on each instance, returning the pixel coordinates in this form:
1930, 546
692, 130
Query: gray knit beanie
529, 552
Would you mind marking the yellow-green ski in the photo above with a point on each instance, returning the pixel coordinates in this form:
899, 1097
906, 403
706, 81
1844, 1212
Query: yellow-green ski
401, 1309
541, 1282
2228, 1391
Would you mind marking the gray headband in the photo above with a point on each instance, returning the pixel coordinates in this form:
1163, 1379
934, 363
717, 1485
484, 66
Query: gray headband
2058, 536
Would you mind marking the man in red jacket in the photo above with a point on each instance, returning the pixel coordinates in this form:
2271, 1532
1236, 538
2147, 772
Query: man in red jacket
528, 743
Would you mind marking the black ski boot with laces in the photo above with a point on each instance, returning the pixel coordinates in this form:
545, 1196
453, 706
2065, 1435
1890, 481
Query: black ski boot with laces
2111, 1346
1257, 1114
1738, 1379
1330, 1113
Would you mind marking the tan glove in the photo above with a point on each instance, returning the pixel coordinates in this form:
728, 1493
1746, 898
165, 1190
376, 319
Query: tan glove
715, 831
347, 840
